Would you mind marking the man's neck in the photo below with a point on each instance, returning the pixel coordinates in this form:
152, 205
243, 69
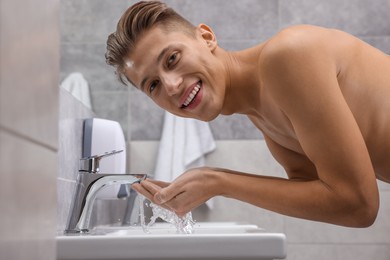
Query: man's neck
243, 87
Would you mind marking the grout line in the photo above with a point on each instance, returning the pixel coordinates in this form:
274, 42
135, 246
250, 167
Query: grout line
279, 16
27, 138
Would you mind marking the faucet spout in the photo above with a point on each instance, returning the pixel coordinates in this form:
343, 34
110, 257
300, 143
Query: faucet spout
88, 185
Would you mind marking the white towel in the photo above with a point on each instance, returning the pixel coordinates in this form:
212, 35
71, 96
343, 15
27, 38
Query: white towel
76, 84
183, 145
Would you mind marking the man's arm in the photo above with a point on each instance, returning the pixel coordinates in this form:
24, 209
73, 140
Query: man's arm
302, 71
303, 196
297, 166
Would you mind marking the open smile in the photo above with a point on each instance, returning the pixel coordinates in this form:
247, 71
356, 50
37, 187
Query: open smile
192, 96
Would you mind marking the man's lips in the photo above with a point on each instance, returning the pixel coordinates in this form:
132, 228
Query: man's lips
190, 94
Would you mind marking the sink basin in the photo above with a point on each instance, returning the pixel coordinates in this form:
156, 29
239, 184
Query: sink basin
218, 240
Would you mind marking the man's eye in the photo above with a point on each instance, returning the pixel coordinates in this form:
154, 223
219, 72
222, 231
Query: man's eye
172, 59
153, 85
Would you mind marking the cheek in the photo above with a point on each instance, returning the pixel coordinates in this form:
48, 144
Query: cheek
217, 95
164, 102
199, 56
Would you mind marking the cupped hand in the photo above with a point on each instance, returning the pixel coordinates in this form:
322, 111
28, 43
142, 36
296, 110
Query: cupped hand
185, 193
149, 188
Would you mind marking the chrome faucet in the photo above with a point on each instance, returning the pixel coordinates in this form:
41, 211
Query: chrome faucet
89, 182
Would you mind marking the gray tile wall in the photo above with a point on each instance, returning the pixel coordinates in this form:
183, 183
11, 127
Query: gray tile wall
71, 116
238, 24
29, 69
85, 25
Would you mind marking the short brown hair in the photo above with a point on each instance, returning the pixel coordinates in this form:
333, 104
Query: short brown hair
137, 19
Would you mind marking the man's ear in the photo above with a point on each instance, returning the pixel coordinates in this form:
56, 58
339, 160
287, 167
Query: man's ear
208, 36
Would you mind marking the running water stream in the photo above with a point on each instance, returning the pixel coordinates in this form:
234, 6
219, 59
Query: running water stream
183, 225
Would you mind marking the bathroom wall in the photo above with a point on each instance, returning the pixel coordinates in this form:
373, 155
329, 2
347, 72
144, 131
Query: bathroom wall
71, 115
238, 24
85, 25
29, 75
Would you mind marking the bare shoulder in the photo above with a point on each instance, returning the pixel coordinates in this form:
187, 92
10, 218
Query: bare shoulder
297, 51
307, 41
299, 36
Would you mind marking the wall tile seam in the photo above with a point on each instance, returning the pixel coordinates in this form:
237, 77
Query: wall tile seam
279, 16
27, 139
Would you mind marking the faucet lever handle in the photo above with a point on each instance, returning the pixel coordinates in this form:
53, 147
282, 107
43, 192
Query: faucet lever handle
107, 154
91, 163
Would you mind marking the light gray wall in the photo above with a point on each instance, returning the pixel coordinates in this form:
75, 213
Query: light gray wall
71, 117
237, 23
29, 75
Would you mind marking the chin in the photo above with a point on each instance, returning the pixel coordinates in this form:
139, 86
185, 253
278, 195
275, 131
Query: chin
208, 115
208, 118
202, 117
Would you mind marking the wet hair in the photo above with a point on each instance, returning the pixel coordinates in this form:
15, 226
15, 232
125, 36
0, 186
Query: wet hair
136, 20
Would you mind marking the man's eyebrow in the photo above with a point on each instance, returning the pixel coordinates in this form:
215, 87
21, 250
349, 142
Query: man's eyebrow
162, 53
159, 58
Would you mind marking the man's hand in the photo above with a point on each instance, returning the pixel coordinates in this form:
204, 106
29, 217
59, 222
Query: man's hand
185, 193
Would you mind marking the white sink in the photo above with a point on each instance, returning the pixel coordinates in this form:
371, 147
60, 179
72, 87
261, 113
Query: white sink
217, 240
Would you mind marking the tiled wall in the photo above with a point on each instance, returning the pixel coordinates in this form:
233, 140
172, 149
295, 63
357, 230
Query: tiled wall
29, 69
237, 23
85, 25
71, 116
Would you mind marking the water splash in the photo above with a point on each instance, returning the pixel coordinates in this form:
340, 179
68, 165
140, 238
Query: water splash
183, 225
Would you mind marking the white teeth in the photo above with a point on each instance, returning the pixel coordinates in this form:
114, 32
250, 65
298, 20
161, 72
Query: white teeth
192, 95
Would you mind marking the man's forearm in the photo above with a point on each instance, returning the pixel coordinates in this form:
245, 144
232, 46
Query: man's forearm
312, 199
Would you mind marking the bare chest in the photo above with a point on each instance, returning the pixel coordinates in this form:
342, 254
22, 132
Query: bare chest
275, 125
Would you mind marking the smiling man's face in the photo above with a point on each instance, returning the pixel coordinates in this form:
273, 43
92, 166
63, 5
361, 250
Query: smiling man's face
179, 72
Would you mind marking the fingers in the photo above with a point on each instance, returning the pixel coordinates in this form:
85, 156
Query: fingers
172, 197
151, 190
150, 186
183, 203
141, 190
166, 194
160, 190
162, 184
148, 189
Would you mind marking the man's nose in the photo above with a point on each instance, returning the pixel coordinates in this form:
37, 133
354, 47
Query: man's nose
172, 82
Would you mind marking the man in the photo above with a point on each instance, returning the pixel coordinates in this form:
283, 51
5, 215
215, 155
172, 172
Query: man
321, 98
